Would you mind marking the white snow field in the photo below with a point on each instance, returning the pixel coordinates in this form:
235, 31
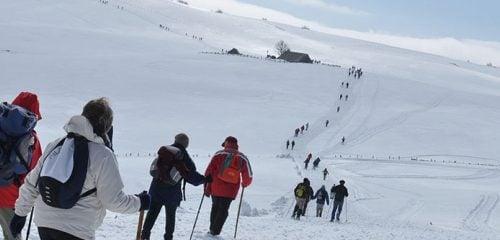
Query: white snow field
421, 158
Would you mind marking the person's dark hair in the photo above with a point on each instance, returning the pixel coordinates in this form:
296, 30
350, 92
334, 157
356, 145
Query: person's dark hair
99, 114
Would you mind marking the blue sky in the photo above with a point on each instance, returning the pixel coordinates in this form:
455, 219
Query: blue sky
461, 19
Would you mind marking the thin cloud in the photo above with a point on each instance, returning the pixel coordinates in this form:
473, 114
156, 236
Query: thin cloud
332, 7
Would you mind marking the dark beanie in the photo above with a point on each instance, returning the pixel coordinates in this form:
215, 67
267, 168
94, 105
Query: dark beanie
182, 139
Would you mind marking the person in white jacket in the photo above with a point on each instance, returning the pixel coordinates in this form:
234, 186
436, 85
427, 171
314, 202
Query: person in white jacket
82, 220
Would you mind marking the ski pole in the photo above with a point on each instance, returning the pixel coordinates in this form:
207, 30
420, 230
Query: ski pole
239, 209
29, 223
197, 214
139, 225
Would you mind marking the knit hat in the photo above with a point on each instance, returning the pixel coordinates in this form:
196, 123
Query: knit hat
28, 101
182, 139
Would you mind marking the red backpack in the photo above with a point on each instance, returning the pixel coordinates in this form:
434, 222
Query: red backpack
231, 169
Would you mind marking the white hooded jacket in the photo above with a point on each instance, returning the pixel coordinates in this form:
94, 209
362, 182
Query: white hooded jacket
87, 215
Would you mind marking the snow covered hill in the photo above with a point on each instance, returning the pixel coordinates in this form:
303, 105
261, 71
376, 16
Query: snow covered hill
441, 113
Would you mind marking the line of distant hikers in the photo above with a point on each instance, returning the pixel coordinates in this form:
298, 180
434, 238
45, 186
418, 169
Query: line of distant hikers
74, 182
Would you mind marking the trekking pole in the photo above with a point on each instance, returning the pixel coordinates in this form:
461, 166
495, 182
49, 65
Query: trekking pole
238, 216
346, 210
197, 214
29, 223
139, 225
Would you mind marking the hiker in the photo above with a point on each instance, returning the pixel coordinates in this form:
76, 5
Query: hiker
93, 186
340, 193
287, 144
172, 165
327, 122
321, 197
302, 129
347, 85
307, 126
342, 84
325, 173
308, 159
22, 138
303, 192
226, 166
343, 140
316, 163
310, 196
340, 97
346, 97
293, 144
297, 132
338, 109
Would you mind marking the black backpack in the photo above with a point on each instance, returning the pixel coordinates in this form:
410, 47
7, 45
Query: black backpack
66, 194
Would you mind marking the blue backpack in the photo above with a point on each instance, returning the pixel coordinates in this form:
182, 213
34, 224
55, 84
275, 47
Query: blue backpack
16, 142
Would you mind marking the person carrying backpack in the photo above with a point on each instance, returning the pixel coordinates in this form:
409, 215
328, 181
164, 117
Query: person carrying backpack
171, 166
287, 144
340, 193
229, 169
308, 159
325, 173
16, 136
293, 144
303, 192
321, 197
316, 163
76, 180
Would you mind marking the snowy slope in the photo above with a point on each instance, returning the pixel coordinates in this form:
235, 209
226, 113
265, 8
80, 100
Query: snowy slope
407, 105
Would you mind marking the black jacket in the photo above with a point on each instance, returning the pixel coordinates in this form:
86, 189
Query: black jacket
168, 194
340, 192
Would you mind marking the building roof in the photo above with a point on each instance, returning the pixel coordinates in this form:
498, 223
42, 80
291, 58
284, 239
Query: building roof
290, 56
233, 51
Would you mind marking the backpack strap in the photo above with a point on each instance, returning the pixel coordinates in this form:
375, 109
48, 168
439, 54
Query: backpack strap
88, 193
59, 144
24, 162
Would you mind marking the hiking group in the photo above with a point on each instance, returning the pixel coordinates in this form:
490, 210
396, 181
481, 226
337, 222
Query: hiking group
300, 130
304, 194
70, 187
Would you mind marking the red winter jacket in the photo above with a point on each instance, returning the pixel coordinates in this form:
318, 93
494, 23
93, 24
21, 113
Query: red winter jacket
9, 194
220, 188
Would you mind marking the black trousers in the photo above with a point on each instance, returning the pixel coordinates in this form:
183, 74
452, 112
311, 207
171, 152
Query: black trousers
52, 234
154, 211
219, 213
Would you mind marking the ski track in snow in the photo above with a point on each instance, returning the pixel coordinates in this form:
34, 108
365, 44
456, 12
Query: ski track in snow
479, 216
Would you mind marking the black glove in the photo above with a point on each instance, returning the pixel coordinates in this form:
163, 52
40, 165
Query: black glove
208, 179
145, 200
17, 224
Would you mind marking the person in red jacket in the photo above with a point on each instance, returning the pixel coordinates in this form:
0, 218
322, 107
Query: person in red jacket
229, 168
10, 193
